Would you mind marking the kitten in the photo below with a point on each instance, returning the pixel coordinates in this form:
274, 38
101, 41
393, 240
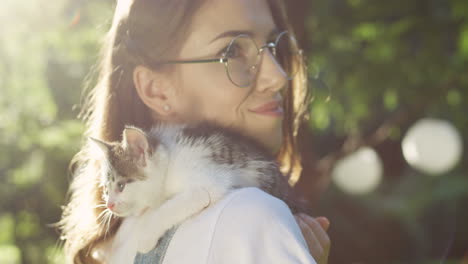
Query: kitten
158, 180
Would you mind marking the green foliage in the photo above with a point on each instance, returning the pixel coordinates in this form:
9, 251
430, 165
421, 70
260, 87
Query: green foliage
45, 59
381, 60
379, 57
10, 254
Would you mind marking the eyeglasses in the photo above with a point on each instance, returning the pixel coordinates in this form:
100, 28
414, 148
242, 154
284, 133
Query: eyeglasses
242, 57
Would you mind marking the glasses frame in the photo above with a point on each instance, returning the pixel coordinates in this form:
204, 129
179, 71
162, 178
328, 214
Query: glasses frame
224, 60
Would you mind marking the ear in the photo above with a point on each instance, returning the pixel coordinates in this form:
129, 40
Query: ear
102, 145
136, 142
155, 89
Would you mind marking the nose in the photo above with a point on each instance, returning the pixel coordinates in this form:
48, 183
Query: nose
110, 205
271, 76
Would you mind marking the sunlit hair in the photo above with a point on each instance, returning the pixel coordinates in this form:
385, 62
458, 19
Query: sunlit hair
114, 103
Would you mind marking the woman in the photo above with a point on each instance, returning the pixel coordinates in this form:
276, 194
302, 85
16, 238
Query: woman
188, 61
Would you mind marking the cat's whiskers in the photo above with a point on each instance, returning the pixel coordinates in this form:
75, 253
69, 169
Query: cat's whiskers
103, 205
105, 218
103, 213
108, 222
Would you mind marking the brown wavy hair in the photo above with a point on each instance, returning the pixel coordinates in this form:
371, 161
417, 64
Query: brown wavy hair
113, 103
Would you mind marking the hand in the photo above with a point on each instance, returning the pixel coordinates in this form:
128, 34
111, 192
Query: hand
314, 232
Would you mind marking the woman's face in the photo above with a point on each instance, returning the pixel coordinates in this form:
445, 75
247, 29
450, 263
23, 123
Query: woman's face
204, 91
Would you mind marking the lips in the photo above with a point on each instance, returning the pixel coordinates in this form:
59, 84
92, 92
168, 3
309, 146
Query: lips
270, 108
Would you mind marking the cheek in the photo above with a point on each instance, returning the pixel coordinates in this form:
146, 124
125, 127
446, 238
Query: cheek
117, 197
113, 195
209, 95
126, 196
133, 193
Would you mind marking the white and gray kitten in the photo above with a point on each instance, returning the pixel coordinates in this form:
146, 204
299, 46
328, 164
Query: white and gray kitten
157, 180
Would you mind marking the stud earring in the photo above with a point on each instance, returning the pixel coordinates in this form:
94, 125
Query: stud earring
167, 108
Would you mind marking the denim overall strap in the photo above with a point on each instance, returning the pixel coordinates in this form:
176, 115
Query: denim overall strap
156, 255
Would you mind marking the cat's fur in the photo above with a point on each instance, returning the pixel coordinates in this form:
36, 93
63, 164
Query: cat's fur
159, 179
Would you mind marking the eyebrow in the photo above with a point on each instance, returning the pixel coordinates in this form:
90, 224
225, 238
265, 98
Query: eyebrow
234, 33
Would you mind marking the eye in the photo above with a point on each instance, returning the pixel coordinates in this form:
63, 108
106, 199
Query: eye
234, 51
121, 186
222, 52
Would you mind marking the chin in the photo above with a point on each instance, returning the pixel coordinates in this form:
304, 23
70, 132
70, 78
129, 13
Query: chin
273, 144
275, 140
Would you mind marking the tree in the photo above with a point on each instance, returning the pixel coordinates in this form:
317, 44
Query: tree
44, 62
386, 65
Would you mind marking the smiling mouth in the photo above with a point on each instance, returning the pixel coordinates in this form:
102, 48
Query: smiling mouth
273, 108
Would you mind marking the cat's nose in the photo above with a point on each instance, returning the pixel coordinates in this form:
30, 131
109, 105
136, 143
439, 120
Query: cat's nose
110, 205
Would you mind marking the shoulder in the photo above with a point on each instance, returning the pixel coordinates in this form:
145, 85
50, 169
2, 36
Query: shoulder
253, 205
255, 227
246, 226
251, 211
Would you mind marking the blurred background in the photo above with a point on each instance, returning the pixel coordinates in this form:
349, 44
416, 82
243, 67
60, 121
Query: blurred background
387, 131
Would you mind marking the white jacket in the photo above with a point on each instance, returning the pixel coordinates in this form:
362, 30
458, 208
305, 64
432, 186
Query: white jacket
247, 226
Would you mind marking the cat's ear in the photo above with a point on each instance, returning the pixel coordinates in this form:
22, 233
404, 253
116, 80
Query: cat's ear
136, 142
103, 146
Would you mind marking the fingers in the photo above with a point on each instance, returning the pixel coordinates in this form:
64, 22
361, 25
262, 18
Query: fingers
317, 229
313, 243
313, 230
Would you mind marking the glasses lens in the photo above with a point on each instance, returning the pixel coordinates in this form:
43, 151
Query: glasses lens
288, 54
242, 55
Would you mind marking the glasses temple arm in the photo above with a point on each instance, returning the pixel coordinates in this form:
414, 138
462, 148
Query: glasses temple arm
220, 60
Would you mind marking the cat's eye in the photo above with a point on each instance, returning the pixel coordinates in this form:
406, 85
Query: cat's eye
121, 186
